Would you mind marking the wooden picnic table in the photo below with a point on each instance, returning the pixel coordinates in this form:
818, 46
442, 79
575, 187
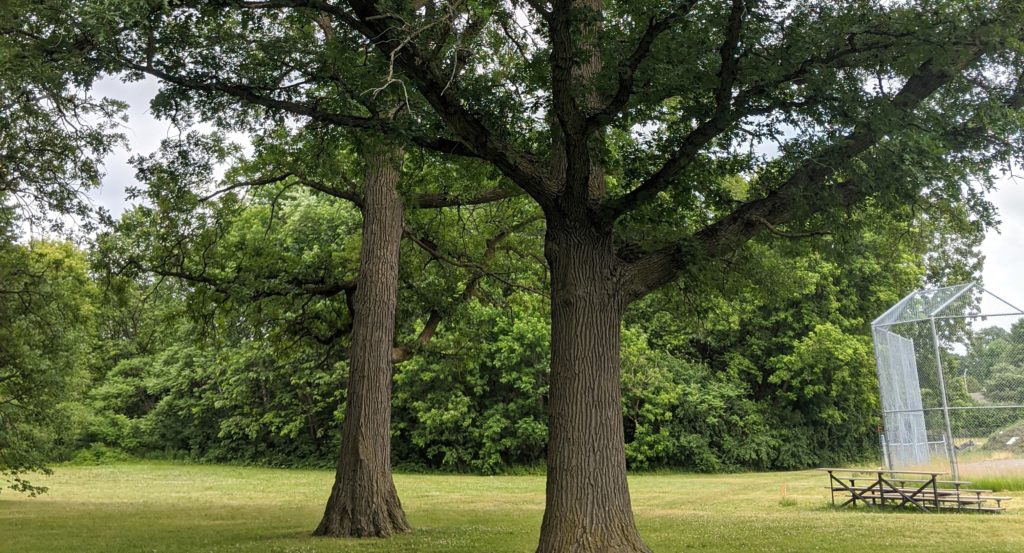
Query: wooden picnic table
926, 491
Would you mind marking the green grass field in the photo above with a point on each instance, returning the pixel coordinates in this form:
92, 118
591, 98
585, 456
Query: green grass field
176, 507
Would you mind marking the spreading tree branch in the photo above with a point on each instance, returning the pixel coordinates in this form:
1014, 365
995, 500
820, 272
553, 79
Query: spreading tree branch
629, 66
255, 183
228, 286
432, 249
805, 193
730, 109
435, 201
469, 291
351, 193
257, 96
386, 31
254, 96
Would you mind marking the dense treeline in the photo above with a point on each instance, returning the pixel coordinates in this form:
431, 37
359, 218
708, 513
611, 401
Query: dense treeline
213, 329
47, 313
238, 362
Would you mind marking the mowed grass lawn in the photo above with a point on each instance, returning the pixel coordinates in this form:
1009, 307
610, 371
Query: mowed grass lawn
158, 507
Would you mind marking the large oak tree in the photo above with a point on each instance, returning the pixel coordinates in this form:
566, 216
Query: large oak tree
182, 236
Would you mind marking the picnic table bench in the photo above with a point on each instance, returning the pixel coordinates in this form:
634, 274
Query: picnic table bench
907, 488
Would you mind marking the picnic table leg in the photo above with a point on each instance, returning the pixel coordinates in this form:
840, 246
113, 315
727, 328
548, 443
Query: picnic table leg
881, 492
935, 494
831, 488
854, 495
907, 498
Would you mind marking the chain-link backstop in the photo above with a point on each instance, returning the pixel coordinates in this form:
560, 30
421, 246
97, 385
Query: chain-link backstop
951, 375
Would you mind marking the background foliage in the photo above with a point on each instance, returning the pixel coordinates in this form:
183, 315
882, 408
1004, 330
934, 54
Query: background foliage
771, 368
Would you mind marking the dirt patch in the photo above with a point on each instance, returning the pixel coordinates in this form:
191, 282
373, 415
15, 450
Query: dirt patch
993, 466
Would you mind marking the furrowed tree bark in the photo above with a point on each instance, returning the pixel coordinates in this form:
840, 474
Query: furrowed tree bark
363, 500
587, 507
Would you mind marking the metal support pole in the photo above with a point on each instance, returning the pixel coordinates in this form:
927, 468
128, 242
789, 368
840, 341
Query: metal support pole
886, 461
950, 449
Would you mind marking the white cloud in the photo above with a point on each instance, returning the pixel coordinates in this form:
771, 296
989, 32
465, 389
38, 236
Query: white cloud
143, 132
1003, 250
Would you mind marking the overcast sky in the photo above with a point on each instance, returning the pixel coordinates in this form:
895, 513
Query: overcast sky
1004, 252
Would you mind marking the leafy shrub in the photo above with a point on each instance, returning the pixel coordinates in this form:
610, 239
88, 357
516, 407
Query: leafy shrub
99, 454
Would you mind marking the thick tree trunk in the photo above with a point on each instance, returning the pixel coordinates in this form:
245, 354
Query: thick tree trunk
363, 501
588, 506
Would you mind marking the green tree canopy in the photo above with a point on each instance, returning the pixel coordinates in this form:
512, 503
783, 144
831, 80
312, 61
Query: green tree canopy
46, 325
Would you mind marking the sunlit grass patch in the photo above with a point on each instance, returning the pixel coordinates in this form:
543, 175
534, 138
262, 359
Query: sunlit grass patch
171, 508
